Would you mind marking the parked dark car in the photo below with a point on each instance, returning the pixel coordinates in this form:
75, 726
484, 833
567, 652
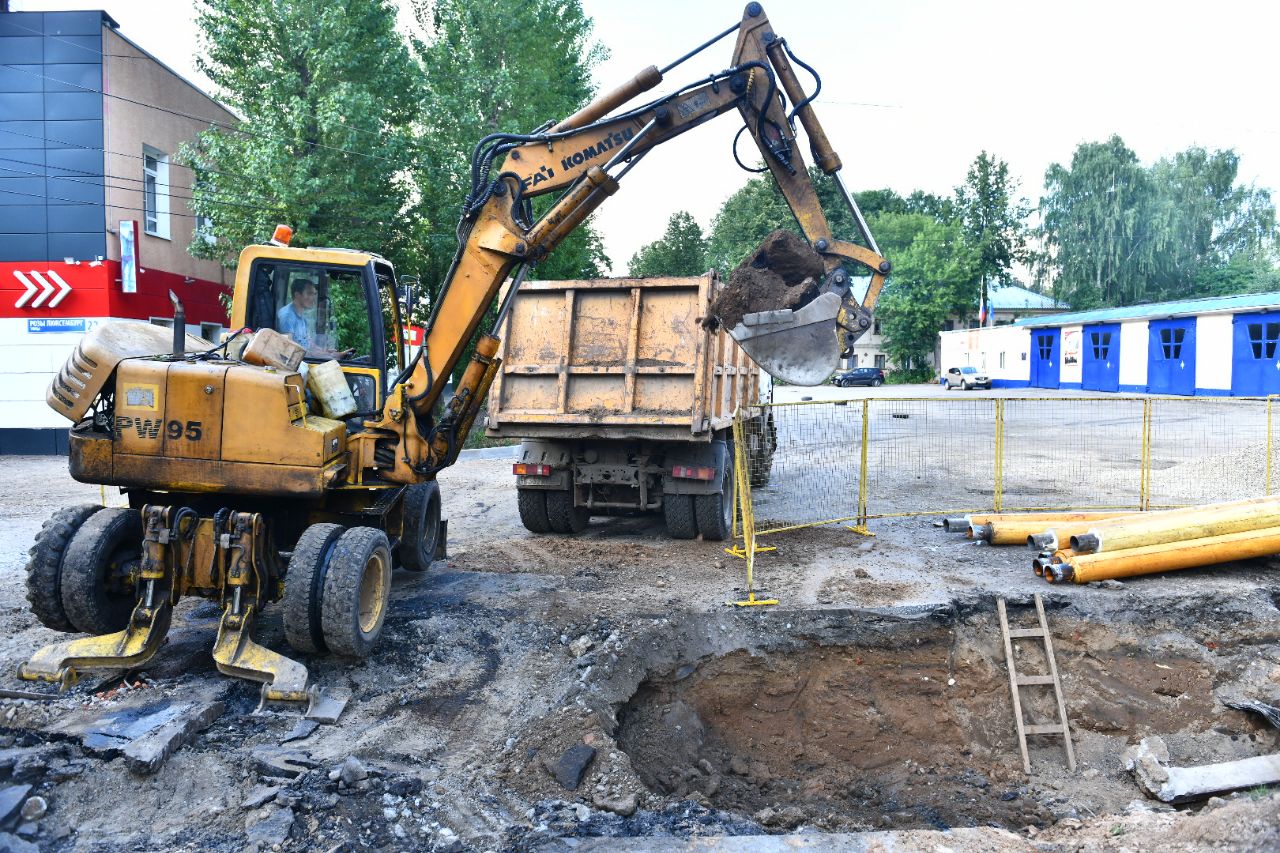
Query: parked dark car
859, 376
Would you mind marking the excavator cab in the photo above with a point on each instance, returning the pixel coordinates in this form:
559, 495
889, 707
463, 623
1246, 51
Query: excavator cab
342, 308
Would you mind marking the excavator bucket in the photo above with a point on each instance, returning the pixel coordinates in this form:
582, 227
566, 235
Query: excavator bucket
799, 346
779, 305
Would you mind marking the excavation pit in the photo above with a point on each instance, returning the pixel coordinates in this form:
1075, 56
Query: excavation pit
908, 724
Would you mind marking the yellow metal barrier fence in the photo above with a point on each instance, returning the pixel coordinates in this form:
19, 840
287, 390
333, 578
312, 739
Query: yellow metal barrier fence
823, 462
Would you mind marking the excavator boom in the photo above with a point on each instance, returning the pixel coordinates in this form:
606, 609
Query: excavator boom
583, 158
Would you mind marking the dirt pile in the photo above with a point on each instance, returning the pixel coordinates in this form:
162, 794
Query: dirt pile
783, 272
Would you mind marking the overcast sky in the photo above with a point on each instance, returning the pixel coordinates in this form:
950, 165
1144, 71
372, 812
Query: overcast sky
914, 89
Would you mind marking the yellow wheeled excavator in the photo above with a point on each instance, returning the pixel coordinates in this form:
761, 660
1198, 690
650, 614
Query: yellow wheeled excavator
240, 493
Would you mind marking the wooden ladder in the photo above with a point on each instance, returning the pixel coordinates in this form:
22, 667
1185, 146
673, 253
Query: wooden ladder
1017, 681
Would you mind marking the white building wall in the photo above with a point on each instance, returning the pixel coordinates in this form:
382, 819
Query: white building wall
31, 360
1135, 339
1072, 370
1214, 339
1003, 352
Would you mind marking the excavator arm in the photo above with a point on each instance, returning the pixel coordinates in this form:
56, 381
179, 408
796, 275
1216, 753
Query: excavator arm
584, 157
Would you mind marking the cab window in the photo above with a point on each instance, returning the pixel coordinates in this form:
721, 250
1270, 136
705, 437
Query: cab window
322, 308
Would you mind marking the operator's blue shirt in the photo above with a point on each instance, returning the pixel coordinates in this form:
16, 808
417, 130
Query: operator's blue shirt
290, 322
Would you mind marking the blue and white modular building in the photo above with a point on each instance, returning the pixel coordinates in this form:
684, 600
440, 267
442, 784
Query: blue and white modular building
1217, 347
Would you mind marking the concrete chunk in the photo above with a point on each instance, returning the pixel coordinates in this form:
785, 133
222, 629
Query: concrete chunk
11, 799
272, 830
148, 753
1148, 761
572, 765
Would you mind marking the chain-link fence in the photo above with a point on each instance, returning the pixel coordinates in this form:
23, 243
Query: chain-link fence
816, 463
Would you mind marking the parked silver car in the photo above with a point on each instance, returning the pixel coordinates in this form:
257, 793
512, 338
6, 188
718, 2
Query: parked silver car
966, 377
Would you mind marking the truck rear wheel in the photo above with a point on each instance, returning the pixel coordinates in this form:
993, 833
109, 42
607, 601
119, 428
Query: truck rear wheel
533, 510
679, 515
715, 512
44, 569
96, 592
304, 587
563, 516
357, 587
421, 530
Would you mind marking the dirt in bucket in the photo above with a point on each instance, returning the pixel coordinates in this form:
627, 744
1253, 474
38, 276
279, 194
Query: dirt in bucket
783, 272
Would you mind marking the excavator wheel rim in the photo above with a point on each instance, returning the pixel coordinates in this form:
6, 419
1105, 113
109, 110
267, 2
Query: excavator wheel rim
373, 590
357, 586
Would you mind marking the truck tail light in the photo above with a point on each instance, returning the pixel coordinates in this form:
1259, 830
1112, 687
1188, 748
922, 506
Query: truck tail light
527, 469
693, 472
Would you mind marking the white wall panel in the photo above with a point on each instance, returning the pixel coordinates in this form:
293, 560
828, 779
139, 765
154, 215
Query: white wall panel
1135, 340
1214, 336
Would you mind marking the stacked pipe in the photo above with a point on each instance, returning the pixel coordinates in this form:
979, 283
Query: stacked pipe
1089, 546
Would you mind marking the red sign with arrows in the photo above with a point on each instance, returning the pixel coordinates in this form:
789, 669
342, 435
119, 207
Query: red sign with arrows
34, 289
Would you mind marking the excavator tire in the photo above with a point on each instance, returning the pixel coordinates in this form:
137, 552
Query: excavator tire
94, 596
563, 516
715, 512
533, 510
357, 588
303, 585
679, 515
44, 569
421, 529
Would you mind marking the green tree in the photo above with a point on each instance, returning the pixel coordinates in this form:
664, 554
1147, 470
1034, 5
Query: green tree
327, 94
1094, 226
932, 279
681, 250
994, 221
1118, 234
508, 66
1203, 221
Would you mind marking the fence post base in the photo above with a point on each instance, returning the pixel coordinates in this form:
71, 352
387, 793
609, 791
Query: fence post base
752, 601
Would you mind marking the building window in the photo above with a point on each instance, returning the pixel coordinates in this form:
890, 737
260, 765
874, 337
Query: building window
1263, 338
949, 326
1171, 343
155, 192
1101, 343
880, 361
204, 229
875, 329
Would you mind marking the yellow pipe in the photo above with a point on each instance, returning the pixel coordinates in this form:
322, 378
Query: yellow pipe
1047, 516
1018, 532
1170, 556
1178, 525
1044, 558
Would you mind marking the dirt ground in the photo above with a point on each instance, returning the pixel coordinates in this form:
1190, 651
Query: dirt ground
868, 710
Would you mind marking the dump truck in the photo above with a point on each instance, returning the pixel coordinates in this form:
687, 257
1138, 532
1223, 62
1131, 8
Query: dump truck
624, 402
241, 493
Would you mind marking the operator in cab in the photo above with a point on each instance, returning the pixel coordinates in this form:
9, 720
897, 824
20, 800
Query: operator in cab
293, 319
